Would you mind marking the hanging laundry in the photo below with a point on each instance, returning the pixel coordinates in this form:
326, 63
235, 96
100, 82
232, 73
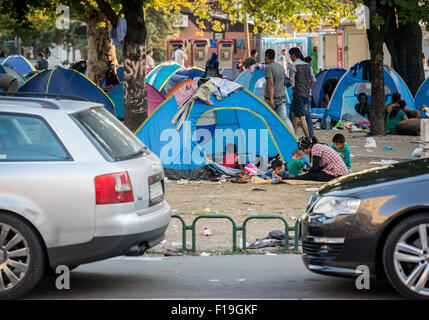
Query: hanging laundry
225, 86
259, 65
118, 34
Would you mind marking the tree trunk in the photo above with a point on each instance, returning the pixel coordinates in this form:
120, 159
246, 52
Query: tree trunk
405, 47
375, 41
99, 47
135, 99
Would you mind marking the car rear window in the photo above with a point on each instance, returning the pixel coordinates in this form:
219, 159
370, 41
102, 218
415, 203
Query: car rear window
109, 134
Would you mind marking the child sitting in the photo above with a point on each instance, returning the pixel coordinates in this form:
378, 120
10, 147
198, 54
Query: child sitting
231, 159
277, 171
342, 148
296, 165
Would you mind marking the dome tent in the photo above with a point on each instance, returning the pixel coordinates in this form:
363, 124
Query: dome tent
240, 117
344, 98
422, 97
21, 64
68, 82
159, 76
6, 69
321, 78
180, 76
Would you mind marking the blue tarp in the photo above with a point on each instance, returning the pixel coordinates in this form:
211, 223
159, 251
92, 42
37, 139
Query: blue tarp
241, 117
345, 95
68, 82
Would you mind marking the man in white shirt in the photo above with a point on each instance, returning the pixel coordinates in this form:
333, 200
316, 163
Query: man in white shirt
180, 55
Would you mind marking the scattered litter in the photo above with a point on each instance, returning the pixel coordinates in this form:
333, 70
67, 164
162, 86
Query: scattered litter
257, 189
385, 162
352, 155
312, 189
417, 154
293, 218
164, 242
249, 203
356, 129
270, 254
207, 210
174, 211
166, 180
177, 244
207, 232
205, 254
369, 150
370, 143
182, 181
387, 148
250, 209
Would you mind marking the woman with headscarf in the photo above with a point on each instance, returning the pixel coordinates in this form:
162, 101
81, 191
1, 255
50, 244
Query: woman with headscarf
212, 67
363, 106
326, 163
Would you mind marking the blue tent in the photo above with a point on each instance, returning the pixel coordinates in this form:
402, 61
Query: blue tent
355, 81
422, 97
180, 76
240, 118
255, 83
321, 77
5, 69
68, 82
19, 63
159, 76
116, 94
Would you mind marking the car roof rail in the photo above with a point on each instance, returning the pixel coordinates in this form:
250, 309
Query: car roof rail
56, 96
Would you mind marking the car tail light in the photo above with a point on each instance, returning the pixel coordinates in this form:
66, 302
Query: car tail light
113, 188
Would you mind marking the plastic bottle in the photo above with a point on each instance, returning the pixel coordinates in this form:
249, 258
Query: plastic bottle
207, 232
328, 123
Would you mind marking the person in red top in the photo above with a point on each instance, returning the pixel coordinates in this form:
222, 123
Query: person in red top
326, 163
231, 159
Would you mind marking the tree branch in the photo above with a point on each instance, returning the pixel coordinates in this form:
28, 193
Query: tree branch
108, 12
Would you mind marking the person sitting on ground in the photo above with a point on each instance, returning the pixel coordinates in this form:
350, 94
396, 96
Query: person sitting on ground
326, 163
342, 148
363, 107
112, 78
395, 114
251, 60
231, 159
409, 112
277, 171
296, 164
212, 67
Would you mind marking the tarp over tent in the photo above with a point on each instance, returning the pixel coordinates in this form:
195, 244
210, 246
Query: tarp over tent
344, 98
68, 82
422, 97
5, 69
321, 77
154, 99
159, 76
180, 76
239, 118
21, 64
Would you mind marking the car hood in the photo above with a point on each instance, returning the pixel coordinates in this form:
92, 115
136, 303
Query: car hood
376, 176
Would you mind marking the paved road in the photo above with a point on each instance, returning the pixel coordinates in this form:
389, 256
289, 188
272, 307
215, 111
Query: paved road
196, 277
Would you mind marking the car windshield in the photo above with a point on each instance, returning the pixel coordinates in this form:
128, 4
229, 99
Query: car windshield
111, 135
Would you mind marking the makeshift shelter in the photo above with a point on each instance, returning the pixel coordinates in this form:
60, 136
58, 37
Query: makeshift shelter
180, 76
355, 81
116, 94
67, 82
195, 149
255, 82
21, 64
159, 76
422, 97
5, 69
321, 78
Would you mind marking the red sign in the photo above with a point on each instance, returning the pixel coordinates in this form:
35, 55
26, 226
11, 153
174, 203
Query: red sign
339, 50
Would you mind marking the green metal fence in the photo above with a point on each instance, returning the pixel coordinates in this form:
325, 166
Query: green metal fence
236, 228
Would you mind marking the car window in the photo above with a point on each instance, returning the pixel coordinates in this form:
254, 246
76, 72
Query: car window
28, 138
110, 134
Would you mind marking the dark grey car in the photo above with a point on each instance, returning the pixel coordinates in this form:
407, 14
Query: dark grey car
378, 218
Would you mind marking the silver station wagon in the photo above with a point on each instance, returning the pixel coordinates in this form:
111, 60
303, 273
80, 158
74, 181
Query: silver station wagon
76, 186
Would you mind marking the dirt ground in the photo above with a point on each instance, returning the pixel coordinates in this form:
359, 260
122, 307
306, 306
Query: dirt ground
241, 200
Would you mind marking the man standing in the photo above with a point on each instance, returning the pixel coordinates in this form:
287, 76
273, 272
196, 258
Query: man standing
302, 79
251, 60
283, 60
180, 55
41, 63
275, 95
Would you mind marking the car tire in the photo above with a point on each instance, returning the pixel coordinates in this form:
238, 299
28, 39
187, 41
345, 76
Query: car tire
22, 254
405, 262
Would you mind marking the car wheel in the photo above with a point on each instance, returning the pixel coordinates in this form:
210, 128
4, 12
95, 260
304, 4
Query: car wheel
406, 257
22, 261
